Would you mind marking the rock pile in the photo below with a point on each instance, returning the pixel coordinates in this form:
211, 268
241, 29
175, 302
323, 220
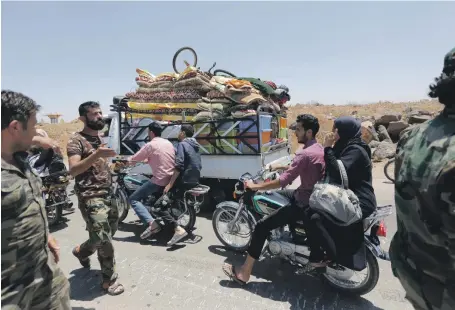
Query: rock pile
383, 131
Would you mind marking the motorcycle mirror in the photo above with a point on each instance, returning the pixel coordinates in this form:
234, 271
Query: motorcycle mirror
245, 176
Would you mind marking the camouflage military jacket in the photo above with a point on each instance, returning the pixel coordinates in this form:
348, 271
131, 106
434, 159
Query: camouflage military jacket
96, 181
425, 207
24, 226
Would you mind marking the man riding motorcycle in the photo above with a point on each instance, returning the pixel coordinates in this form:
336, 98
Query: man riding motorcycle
159, 153
187, 171
309, 164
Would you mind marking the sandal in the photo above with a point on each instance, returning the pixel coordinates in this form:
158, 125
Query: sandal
85, 262
149, 231
115, 288
229, 270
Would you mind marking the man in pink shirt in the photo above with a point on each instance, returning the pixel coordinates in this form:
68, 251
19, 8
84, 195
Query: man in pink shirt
159, 153
309, 165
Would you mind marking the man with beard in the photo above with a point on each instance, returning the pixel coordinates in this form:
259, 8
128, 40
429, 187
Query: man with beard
30, 277
88, 163
309, 164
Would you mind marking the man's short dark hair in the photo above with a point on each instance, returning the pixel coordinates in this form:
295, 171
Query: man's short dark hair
156, 128
444, 86
308, 121
83, 108
17, 107
188, 130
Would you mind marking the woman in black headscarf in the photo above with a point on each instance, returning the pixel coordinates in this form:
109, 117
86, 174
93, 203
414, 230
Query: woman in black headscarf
355, 155
342, 242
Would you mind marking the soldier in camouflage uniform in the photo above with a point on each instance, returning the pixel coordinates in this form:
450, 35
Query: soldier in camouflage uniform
88, 162
423, 249
31, 278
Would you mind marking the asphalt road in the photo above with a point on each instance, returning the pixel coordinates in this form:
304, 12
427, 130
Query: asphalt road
190, 277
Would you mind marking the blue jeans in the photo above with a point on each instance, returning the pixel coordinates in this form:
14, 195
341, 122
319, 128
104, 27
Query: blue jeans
142, 192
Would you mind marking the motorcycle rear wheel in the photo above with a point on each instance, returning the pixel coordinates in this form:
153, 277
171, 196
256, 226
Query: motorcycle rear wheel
178, 212
366, 286
216, 227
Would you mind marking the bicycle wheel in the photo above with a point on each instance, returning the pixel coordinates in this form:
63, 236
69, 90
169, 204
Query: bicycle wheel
174, 60
225, 72
387, 171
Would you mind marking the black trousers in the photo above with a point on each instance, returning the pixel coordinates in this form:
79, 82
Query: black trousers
285, 215
319, 239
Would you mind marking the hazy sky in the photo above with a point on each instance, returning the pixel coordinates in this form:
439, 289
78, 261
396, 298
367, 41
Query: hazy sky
64, 53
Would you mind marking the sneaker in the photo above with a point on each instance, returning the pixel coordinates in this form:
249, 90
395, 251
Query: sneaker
177, 237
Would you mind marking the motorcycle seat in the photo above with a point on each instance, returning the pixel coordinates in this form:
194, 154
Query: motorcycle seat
198, 190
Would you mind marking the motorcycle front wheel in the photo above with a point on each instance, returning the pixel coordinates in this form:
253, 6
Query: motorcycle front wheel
341, 278
123, 205
389, 174
233, 235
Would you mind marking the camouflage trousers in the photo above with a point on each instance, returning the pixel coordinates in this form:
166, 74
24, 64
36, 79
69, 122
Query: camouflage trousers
101, 217
49, 290
424, 292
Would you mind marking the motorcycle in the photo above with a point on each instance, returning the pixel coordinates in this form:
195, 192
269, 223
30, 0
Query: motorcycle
182, 207
242, 216
54, 189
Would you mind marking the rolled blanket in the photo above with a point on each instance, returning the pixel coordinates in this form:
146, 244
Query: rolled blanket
195, 83
188, 93
218, 100
145, 78
162, 84
149, 90
143, 83
167, 76
205, 115
218, 107
238, 107
215, 94
168, 109
243, 113
265, 89
244, 98
220, 80
238, 85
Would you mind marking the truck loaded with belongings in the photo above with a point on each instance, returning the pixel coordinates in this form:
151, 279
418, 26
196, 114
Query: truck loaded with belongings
239, 122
